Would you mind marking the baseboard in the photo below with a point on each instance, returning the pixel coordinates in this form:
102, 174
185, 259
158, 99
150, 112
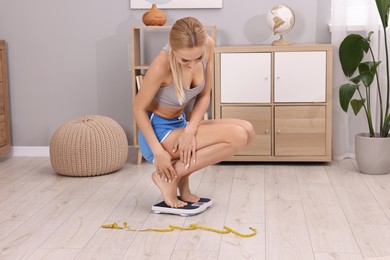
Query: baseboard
37, 151
30, 151
344, 156
42, 151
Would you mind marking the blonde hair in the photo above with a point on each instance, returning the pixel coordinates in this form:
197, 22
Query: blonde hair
186, 33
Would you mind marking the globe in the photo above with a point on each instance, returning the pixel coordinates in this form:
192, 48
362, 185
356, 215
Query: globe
281, 19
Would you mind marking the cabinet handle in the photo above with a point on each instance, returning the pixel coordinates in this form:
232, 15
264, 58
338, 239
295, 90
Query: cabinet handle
266, 131
277, 77
278, 131
266, 78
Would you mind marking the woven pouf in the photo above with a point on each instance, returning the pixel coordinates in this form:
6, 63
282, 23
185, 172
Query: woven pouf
89, 146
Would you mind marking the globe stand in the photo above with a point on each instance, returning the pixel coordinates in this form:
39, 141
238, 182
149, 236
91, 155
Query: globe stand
281, 41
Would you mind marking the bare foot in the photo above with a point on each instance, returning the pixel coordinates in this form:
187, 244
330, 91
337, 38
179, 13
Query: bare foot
189, 197
185, 193
168, 191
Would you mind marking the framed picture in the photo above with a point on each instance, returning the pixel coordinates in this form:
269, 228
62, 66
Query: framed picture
177, 4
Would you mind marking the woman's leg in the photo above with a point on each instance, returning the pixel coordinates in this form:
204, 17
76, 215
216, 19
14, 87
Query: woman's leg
216, 140
183, 184
184, 190
168, 191
243, 123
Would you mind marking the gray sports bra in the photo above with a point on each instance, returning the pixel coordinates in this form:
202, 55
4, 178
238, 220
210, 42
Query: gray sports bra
166, 96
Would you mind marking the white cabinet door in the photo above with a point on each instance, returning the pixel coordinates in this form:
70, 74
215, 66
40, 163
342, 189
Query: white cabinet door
300, 76
245, 78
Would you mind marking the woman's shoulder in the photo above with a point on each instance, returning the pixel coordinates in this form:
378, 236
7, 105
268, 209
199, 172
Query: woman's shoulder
210, 47
210, 41
166, 48
160, 63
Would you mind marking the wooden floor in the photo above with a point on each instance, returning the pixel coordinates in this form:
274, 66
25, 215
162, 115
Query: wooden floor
301, 211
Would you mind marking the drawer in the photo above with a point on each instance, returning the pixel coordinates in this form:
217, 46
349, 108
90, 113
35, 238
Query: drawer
300, 130
260, 117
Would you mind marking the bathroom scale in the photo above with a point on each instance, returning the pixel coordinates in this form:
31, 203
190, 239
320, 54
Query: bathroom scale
192, 208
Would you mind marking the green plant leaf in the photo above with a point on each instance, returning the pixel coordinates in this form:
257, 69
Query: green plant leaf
383, 9
367, 78
356, 105
368, 38
356, 79
351, 52
346, 93
367, 72
371, 66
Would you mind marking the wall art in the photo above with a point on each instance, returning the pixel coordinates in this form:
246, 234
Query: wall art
176, 4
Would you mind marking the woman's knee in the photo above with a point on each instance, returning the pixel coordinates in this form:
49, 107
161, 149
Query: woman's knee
239, 137
250, 131
236, 133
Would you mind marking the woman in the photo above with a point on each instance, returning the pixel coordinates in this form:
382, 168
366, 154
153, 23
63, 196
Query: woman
181, 72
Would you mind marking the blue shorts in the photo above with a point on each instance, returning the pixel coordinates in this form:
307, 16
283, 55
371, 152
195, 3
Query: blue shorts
162, 128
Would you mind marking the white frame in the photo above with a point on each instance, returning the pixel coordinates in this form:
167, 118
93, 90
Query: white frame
177, 4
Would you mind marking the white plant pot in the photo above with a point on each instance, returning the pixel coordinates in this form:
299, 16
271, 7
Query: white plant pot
372, 154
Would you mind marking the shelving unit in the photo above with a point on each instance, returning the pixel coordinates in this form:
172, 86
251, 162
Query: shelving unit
285, 91
139, 66
5, 143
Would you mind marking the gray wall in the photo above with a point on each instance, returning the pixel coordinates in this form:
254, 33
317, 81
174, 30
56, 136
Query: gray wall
72, 58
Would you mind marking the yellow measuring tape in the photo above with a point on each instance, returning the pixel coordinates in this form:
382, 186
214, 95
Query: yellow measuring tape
225, 230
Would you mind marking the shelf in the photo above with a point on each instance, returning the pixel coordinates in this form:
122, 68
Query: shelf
141, 67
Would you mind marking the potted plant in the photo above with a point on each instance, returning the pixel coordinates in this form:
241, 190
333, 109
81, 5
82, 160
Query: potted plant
363, 75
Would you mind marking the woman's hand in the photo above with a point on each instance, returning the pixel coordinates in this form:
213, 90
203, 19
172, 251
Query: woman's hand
186, 145
163, 163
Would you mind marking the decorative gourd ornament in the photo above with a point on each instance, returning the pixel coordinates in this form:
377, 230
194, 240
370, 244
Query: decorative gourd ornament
154, 17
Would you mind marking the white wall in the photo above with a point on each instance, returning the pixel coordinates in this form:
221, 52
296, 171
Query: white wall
71, 58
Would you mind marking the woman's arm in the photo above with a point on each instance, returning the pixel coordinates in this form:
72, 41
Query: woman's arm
154, 78
200, 107
202, 101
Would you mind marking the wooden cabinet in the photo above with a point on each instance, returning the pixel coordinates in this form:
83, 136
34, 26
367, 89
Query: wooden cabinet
285, 92
5, 144
142, 37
